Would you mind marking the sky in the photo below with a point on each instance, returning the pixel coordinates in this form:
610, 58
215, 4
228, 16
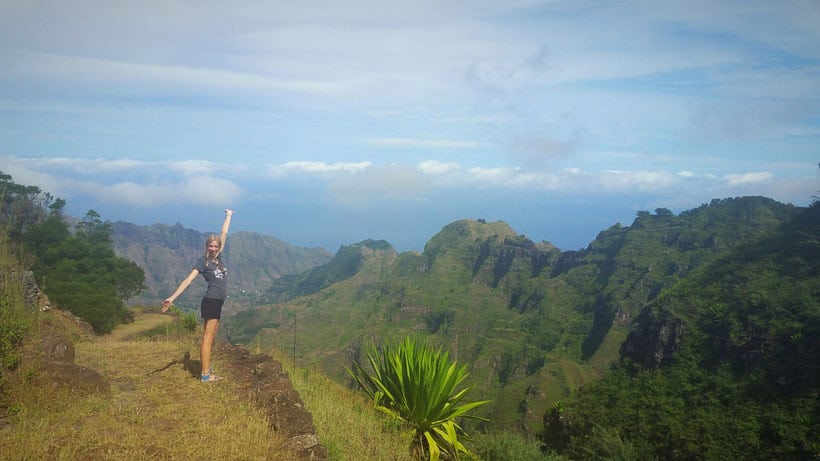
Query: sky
326, 123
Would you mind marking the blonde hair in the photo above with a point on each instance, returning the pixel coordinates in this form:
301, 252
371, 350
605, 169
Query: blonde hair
213, 238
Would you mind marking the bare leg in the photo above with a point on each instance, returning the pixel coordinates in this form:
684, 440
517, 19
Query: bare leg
211, 326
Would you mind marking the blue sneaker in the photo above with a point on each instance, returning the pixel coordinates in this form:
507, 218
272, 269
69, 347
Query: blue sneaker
209, 377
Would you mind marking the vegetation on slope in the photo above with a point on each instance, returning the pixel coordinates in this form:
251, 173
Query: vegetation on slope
741, 379
535, 323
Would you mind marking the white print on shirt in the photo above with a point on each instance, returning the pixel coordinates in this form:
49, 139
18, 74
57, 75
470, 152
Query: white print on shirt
220, 272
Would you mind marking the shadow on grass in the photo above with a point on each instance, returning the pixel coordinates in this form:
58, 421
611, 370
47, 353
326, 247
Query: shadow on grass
193, 367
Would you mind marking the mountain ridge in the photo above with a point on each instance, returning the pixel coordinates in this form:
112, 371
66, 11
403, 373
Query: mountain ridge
723, 365
535, 322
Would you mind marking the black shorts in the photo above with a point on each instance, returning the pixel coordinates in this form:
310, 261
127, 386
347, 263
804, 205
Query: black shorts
211, 308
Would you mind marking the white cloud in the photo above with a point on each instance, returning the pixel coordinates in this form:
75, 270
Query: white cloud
748, 178
311, 167
194, 167
567, 180
198, 190
435, 167
208, 190
104, 180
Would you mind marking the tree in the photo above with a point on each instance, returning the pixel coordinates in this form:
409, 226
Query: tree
93, 229
21, 206
82, 274
56, 208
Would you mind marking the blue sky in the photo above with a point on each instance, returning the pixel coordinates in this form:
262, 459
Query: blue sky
327, 123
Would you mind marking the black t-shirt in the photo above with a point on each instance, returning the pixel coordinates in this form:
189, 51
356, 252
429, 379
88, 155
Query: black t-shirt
216, 276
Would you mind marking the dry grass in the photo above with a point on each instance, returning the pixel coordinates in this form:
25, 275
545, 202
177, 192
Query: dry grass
347, 424
156, 409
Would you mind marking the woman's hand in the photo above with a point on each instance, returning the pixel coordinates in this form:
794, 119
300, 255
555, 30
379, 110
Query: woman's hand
165, 305
228, 212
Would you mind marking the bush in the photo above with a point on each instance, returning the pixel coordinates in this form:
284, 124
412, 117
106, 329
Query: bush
16, 320
184, 322
81, 273
417, 385
508, 446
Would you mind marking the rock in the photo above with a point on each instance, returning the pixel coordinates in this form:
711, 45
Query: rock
269, 387
656, 335
79, 379
58, 349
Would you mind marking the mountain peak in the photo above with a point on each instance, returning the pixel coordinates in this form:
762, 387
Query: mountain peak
466, 232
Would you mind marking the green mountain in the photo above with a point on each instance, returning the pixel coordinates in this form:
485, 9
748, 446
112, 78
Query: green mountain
348, 261
724, 365
535, 323
167, 253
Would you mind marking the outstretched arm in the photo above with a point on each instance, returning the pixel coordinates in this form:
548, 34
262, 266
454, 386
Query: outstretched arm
182, 286
225, 225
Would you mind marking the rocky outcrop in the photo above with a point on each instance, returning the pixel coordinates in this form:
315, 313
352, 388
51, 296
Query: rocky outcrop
267, 385
656, 335
59, 330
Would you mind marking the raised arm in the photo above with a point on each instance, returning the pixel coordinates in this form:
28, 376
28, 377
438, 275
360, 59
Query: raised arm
225, 225
182, 286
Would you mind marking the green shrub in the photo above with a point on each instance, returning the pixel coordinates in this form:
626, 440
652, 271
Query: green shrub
15, 323
184, 322
417, 385
508, 446
15, 319
189, 321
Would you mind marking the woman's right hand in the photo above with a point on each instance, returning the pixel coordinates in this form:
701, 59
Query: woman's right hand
165, 305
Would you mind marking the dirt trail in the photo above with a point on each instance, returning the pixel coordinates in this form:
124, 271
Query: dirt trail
142, 322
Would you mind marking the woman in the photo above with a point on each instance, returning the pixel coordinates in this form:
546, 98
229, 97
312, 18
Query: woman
211, 267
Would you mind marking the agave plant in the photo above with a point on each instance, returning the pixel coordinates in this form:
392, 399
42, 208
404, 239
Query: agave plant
417, 384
